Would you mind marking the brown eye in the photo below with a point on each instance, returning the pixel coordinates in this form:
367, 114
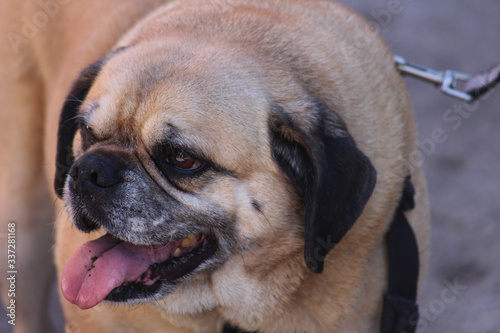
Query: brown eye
182, 160
88, 135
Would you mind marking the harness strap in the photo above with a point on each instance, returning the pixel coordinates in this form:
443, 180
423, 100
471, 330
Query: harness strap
228, 328
400, 310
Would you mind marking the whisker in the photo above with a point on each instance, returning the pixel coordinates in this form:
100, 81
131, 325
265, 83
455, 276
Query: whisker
73, 98
79, 116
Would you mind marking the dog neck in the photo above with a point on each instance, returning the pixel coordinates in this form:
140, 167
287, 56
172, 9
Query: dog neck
400, 310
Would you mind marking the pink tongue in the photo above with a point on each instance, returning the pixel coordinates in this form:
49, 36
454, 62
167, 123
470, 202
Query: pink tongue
101, 265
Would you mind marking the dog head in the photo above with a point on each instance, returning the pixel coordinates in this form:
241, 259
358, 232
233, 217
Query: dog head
192, 155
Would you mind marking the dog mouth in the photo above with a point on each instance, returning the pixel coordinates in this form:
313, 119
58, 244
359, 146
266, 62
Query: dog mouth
111, 269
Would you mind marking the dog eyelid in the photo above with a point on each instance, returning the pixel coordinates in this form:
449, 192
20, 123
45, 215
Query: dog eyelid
182, 160
88, 134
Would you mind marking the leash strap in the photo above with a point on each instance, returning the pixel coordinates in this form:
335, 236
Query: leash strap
474, 87
400, 310
479, 85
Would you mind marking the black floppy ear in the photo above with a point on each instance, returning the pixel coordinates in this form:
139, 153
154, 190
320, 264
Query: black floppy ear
334, 176
68, 124
67, 119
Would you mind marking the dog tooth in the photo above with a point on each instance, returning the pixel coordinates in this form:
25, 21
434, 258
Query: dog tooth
189, 241
177, 252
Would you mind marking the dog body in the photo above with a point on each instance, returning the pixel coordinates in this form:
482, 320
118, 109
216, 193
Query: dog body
241, 127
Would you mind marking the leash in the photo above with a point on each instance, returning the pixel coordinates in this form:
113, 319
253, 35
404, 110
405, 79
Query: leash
474, 86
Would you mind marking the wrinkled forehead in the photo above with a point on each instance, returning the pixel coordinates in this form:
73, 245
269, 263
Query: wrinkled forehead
205, 99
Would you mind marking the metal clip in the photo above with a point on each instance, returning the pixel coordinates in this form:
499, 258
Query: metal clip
446, 80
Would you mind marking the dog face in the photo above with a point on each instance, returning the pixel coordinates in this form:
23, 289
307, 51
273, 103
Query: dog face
193, 159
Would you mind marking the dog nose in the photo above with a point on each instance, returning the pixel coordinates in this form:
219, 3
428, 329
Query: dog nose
96, 171
97, 178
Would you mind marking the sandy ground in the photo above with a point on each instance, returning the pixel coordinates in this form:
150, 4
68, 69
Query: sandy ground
462, 291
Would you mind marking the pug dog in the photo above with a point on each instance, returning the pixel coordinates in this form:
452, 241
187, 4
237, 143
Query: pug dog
222, 165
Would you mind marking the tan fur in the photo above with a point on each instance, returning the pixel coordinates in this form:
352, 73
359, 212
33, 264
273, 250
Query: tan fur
260, 48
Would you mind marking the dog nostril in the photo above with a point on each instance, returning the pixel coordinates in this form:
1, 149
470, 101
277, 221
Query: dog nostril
94, 178
106, 176
74, 172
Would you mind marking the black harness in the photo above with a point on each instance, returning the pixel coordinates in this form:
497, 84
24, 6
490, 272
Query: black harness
400, 310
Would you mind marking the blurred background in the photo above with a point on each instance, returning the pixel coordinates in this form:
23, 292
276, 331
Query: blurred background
462, 290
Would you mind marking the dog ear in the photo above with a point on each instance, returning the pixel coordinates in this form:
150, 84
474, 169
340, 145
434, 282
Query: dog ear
68, 124
67, 120
334, 176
